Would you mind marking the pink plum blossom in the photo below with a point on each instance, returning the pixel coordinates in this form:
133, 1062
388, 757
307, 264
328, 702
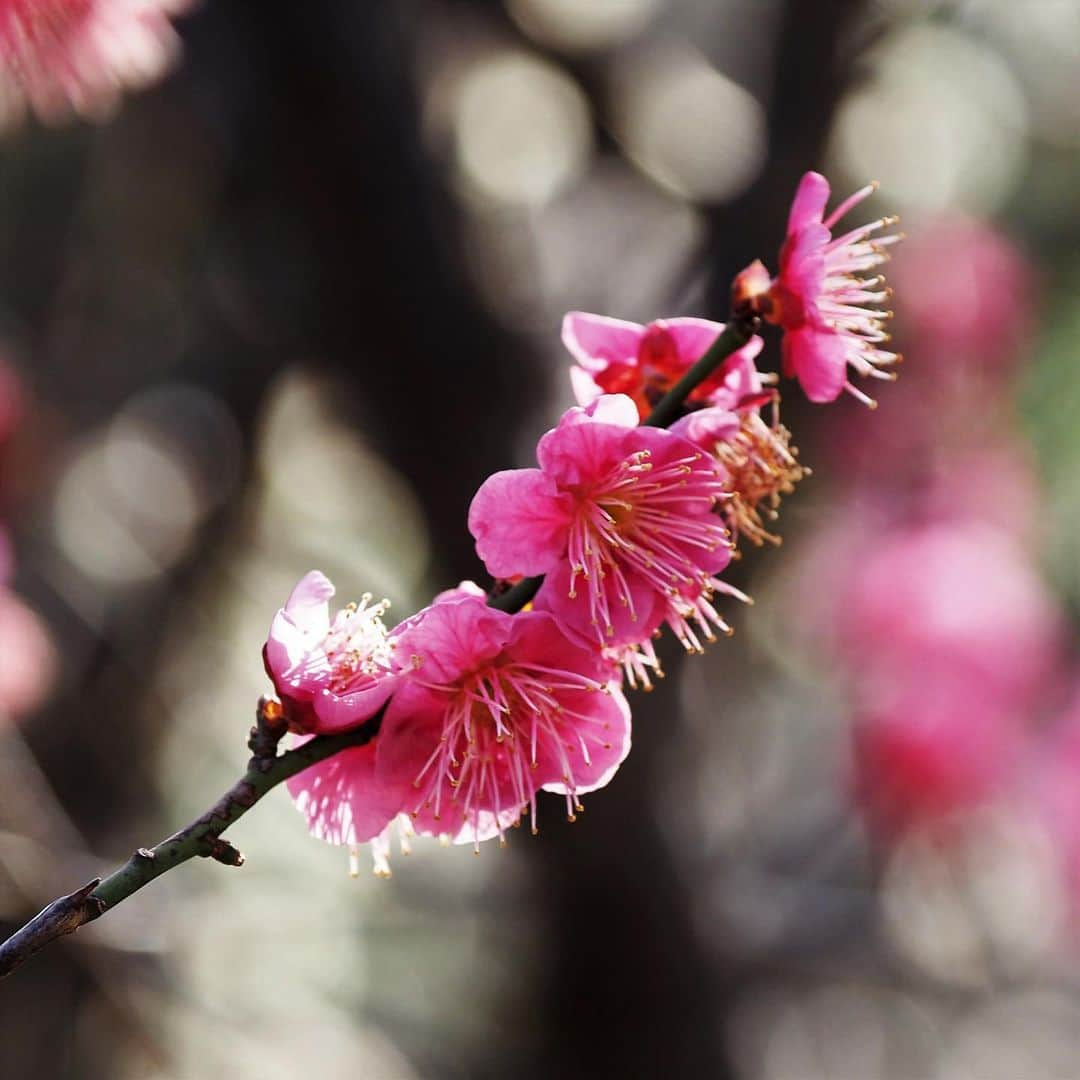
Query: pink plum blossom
493, 708
828, 311
331, 674
645, 362
62, 55
622, 521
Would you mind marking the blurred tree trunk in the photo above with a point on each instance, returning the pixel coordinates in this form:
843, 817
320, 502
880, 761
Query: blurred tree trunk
629, 989
322, 235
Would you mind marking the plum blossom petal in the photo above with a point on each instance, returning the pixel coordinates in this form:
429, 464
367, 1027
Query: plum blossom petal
584, 386
306, 613
595, 763
615, 409
630, 623
336, 712
808, 206
459, 592
585, 441
446, 641
818, 359
519, 519
706, 427
343, 798
737, 380
598, 340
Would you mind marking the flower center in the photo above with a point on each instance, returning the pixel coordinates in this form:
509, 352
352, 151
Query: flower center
356, 645
633, 527
499, 724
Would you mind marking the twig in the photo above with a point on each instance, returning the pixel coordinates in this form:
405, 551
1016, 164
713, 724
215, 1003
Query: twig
734, 336
63, 916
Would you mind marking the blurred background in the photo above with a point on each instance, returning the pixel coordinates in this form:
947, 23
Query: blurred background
289, 308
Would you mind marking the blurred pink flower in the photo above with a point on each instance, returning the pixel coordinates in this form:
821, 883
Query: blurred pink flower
828, 311
967, 294
12, 400
1054, 789
493, 708
644, 362
621, 520
27, 659
62, 55
995, 483
957, 598
941, 747
331, 675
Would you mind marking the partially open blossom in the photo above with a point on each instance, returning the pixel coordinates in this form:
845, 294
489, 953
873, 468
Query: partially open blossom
645, 362
491, 709
331, 674
62, 55
828, 310
622, 521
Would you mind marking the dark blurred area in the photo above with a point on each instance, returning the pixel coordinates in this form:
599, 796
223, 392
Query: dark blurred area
290, 307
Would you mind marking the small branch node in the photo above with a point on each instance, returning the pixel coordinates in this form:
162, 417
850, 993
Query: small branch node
269, 728
223, 852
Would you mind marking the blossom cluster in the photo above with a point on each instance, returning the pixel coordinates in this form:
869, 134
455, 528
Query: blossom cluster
630, 527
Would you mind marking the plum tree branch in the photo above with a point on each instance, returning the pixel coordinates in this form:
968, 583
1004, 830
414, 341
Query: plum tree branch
266, 769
